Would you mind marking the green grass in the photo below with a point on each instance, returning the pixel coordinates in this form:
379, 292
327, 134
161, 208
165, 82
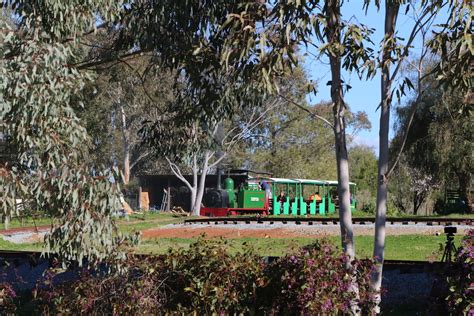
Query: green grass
138, 222
404, 247
27, 222
6, 245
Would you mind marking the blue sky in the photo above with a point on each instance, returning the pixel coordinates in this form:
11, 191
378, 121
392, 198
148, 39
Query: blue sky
364, 95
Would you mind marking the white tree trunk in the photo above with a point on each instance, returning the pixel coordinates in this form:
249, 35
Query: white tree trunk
219, 139
202, 184
126, 146
391, 13
6, 221
194, 186
345, 216
193, 199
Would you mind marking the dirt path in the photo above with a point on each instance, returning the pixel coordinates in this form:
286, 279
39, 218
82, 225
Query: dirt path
21, 230
281, 231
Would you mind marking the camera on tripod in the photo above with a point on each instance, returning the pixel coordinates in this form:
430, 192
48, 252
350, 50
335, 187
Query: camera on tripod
450, 230
449, 248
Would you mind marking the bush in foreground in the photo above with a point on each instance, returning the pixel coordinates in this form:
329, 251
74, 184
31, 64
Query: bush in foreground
7, 299
207, 279
314, 281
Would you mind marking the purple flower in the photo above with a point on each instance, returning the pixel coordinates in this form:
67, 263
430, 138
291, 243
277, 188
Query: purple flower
327, 305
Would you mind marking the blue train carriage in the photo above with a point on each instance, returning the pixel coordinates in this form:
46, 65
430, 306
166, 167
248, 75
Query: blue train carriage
333, 196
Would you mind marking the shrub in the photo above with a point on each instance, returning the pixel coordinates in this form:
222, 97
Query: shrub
461, 278
365, 201
206, 279
315, 281
138, 290
7, 299
209, 280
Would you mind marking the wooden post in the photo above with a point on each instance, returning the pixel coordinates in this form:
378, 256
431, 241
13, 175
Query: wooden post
139, 197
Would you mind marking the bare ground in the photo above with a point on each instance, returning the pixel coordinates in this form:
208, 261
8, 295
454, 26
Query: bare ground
282, 231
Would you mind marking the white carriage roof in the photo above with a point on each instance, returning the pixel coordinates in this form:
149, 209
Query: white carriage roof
274, 180
310, 181
332, 182
282, 180
302, 181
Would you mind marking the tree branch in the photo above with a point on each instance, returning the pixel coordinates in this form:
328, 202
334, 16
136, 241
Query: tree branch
139, 158
177, 172
100, 26
215, 163
311, 114
420, 78
250, 125
94, 62
416, 28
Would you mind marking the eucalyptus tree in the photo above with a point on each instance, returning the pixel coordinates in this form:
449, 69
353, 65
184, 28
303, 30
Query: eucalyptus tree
42, 77
36, 91
116, 103
289, 133
453, 42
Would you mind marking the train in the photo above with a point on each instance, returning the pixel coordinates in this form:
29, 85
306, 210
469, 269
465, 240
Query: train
274, 196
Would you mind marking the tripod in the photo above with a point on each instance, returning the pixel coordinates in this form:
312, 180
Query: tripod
450, 249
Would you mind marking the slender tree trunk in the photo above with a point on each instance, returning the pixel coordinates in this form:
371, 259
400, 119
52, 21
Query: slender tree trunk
202, 184
345, 216
194, 185
391, 14
219, 153
126, 146
415, 203
6, 221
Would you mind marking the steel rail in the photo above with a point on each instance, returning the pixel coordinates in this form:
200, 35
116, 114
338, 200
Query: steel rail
433, 221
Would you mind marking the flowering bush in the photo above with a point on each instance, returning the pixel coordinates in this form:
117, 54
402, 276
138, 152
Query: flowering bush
461, 278
315, 281
7, 299
207, 279
136, 291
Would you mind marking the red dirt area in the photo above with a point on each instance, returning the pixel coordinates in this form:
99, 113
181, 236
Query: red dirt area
185, 232
18, 230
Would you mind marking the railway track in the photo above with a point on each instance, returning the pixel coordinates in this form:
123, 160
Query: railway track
327, 221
